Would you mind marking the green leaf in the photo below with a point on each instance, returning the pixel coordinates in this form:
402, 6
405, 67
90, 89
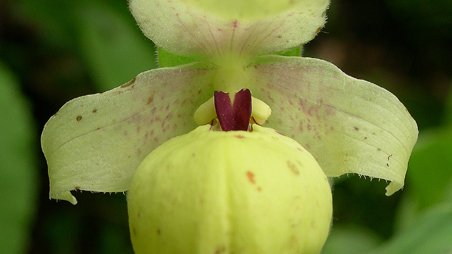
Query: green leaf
46, 16
113, 240
295, 51
430, 171
350, 240
449, 108
112, 44
18, 172
430, 233
167, 59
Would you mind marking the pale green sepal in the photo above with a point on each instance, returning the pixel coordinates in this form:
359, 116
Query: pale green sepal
95, 142
349, 125
206, 28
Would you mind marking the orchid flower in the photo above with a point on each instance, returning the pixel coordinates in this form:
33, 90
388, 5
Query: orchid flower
97, 142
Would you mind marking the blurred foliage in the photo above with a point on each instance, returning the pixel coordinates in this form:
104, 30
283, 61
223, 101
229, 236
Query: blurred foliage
18, 167
430, 233
350, 240
107, 37
431, 166
53, 51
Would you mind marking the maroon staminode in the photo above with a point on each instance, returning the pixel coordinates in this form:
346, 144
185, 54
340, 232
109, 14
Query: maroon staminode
233, 116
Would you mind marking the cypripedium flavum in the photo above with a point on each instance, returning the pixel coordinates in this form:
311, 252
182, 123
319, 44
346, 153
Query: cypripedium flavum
229, 185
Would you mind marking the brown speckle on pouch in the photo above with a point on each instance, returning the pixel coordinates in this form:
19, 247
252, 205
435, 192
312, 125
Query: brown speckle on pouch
94, 110
355, 128
250, 176
293, 168
251, 179
78, 118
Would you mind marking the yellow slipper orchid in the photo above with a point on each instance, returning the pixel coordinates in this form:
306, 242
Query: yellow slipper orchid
230, 186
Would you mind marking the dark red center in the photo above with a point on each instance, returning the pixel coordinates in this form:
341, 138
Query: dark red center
233, 116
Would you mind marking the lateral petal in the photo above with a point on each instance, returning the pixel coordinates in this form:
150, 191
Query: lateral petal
349, 125
95, 142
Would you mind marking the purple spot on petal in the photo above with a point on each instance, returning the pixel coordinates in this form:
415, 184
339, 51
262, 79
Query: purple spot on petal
150, 100
235, 24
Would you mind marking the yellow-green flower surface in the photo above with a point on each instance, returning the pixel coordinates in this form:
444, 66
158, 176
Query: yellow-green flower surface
210, 191
214, 27
248, 186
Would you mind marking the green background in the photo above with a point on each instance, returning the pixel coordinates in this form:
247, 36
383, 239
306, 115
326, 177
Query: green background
52, 51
